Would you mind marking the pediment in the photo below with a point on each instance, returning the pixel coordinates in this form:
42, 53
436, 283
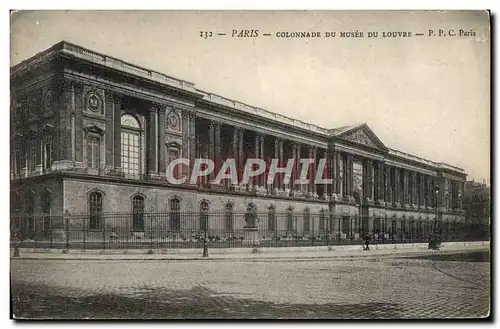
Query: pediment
94, 129
362, 135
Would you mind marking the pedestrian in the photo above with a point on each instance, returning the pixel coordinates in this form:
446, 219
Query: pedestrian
367, 243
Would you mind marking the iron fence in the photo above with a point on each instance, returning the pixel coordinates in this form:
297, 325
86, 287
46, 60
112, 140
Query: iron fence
176, 229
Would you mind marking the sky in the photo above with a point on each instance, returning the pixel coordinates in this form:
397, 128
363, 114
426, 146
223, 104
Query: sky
428, 96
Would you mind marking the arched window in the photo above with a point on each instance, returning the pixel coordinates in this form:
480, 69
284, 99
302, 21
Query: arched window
376, 226
271, 218
307, 221
138, 213
19, 158
175, 215
29, 208
46, 205
32, 155
130, 145
95, 210
322, 220
204, 208
289, 219
228, 218
15, 201
346, 226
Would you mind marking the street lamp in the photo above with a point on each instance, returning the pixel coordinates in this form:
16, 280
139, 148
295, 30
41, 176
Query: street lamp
436, 190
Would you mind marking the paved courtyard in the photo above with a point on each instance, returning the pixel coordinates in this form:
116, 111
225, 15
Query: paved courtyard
425, 287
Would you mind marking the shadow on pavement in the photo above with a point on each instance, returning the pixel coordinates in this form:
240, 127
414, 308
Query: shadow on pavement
31, 302
474, 256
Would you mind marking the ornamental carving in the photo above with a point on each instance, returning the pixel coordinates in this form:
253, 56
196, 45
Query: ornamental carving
93, 102
31, 105
360, 137
173, 121
48, 102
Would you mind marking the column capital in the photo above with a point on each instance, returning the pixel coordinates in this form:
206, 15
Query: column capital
66, 84
214, 123
161, 108
153, 109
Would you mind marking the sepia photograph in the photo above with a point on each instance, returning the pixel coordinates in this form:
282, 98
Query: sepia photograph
250, 164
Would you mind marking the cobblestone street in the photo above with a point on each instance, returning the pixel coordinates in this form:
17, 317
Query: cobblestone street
432, 287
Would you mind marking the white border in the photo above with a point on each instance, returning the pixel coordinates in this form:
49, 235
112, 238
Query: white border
178, 4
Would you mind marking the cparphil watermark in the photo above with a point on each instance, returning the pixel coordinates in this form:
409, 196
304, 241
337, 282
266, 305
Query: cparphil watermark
253, 168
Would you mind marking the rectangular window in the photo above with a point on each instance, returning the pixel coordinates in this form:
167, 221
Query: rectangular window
93, 152
289, 221
271, 220
19, 159
346, 225
32, 155
130, 153
307, 224
47, 153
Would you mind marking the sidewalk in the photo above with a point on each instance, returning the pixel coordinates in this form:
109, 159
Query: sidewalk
247, 254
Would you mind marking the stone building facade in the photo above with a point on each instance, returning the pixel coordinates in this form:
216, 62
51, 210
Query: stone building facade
92, 133
477, 203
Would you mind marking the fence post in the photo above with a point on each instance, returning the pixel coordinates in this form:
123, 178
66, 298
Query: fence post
205, 245
339, 236
66, 224
104, 233
275, 228
18, 239
313, 231
151, 231
84, 233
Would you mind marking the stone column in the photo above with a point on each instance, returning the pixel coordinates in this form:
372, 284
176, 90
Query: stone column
281, 177
327, 187
388, 184
162, 168
109, 114
241, 160
256, 180
310, 170
397, 185
350, 175
406, 188
345, 176
298, 187
62, 144
235, 150
294, 171
217, 158
369, 180
211, 146
375, 190
338, 179
79, 108
276, 156
420, 190
429, 195
152, 142
414, 189
261, 156
381, 183
117, 120
192, 141
403, 189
